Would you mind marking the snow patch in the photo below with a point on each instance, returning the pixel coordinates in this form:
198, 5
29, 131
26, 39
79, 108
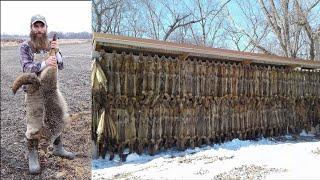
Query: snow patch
132, 157
237, 159
305, 134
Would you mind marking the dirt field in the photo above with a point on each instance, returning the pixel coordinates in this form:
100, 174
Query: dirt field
75, 86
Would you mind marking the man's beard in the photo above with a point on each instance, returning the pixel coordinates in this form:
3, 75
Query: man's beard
39, 43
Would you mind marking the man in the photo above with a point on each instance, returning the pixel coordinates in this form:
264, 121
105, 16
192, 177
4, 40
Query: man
34, 58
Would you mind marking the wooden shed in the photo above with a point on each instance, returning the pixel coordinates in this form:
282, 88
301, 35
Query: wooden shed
149, 95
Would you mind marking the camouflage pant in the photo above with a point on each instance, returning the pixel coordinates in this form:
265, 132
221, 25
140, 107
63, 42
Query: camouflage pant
34, 109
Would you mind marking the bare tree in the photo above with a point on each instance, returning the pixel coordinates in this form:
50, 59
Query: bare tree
281, 27
317, 45
153, 18
313, 35
160, 19
179, 21
133, 26
287, 24
99, 9
246, 28
207, 11
288, 28
107, 15
168, 16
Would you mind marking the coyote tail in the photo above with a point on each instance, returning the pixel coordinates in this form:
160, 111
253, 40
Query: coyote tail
23, 79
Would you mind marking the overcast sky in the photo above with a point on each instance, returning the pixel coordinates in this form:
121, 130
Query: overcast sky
62, 16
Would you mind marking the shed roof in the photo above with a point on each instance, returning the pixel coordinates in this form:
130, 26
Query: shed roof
137, 45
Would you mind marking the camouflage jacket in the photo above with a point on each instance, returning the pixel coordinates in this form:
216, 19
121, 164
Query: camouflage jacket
28, 63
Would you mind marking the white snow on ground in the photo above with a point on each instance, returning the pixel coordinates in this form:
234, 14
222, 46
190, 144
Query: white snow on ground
303, 133
287, 158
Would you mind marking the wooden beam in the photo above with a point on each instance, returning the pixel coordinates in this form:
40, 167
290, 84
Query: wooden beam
245, 62
293, 66
184, 56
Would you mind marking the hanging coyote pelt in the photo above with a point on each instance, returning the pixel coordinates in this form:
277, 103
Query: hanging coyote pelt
55, 109
55, 115
153, 102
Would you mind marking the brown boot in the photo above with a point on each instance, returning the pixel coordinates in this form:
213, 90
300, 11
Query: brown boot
59, 150
33, 156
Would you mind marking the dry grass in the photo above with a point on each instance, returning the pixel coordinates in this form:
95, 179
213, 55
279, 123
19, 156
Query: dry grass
316, 151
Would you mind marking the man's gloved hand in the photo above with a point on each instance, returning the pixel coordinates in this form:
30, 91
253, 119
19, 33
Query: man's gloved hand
51, 61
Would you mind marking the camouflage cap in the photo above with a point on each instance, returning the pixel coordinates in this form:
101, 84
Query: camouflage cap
37, 18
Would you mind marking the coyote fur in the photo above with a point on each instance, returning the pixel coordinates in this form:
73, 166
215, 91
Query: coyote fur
55, 107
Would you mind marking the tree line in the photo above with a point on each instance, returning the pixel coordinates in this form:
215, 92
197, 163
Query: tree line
72, 35
289, 28
61, 35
